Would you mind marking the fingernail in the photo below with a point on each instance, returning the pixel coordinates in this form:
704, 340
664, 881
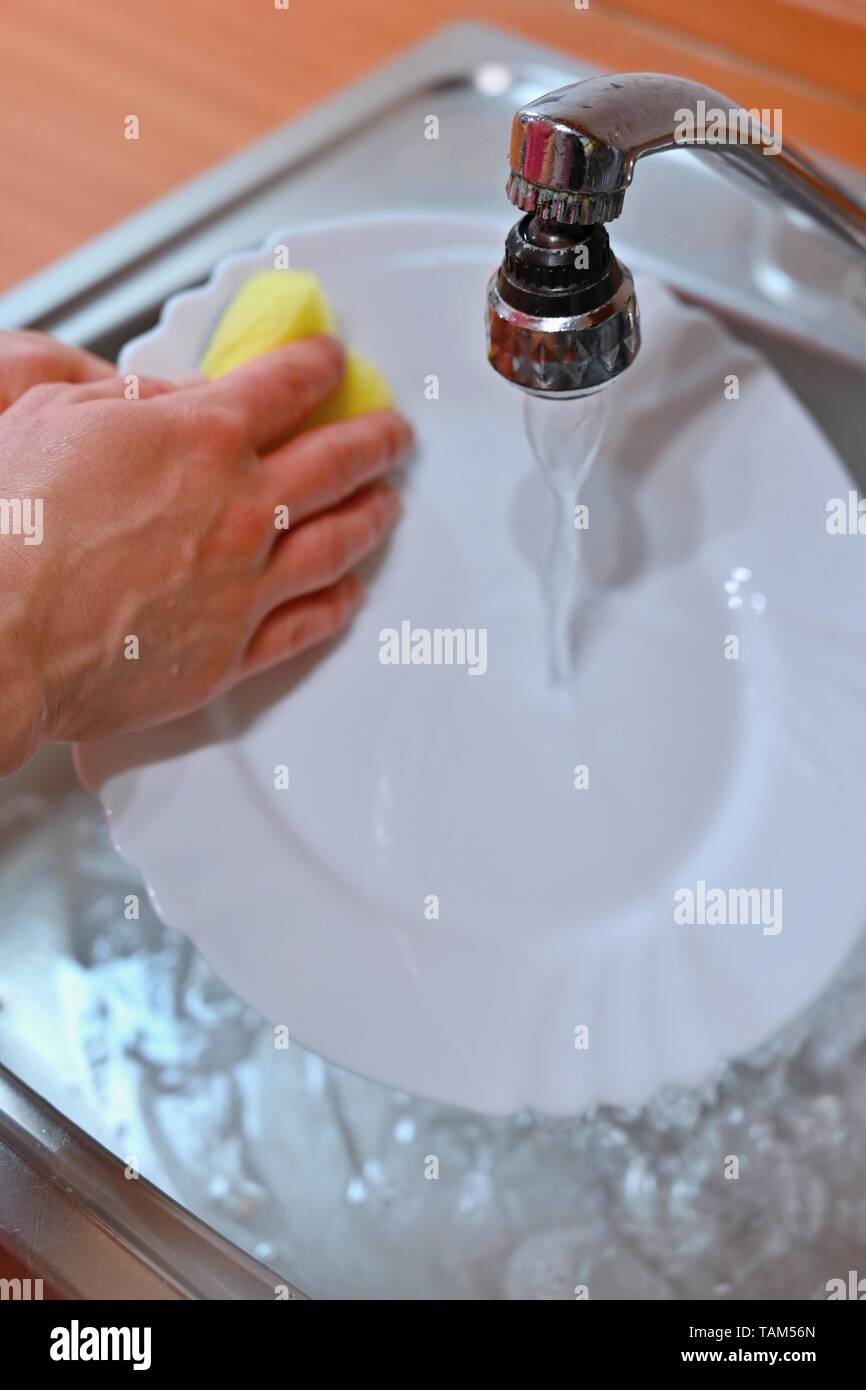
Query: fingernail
391, 503
340, 346
354, 590
406, 432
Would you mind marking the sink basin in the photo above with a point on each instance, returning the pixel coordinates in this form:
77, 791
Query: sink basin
431, 901
122, 1025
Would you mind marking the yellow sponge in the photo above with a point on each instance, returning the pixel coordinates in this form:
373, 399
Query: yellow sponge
275, 307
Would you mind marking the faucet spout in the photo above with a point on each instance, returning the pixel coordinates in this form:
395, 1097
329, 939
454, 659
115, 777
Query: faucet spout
562, 315
573, 152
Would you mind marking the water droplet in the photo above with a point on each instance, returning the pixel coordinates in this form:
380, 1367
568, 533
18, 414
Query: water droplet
404, 1130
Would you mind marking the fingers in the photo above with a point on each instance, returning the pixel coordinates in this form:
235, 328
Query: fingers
79, 365
301, 623
322, 550
326, 465
33, 359
275, 391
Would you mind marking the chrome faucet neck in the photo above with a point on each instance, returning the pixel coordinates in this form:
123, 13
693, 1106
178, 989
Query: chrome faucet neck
573, 152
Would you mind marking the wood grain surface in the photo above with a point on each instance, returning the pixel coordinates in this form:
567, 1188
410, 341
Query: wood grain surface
204, 77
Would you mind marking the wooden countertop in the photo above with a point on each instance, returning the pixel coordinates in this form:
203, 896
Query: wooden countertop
205, 77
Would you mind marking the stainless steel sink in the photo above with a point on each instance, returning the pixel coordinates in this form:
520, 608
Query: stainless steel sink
122, 1027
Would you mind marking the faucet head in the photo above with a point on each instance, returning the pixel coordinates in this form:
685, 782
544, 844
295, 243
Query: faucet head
562, 316
559, 329
567, 161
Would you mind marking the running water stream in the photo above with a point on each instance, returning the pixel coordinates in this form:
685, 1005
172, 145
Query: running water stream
565, 436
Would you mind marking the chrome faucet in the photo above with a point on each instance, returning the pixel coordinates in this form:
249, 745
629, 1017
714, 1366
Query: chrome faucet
562, 316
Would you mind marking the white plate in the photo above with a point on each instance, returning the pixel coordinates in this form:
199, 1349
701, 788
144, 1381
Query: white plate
556, 905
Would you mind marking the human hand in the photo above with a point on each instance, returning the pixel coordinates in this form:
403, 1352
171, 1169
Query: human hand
162, 577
